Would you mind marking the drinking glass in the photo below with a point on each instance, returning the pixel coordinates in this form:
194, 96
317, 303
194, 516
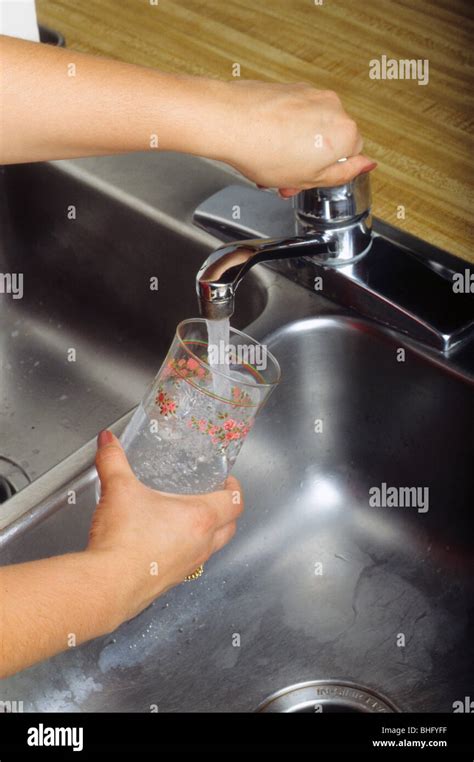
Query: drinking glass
186, 434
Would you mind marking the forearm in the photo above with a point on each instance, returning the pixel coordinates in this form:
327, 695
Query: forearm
58, 103
56, 603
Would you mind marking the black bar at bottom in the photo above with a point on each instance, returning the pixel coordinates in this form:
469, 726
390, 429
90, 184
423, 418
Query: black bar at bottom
82, 736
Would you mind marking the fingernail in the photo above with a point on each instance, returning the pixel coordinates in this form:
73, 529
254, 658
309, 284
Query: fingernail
105, 437
369, 168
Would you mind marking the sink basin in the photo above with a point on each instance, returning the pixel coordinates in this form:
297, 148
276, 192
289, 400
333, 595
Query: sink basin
87, 249
319, 584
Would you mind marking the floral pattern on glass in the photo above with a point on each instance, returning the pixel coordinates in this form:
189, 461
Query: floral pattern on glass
165, 402
189, 368
224, 428
223, 431
240, 398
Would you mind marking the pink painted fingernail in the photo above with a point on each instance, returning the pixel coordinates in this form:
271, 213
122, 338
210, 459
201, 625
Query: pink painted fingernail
105, 437
369, 168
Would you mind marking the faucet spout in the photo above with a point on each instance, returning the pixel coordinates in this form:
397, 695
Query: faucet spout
221, 273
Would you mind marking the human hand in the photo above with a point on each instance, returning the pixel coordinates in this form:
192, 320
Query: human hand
289, 136
155, 539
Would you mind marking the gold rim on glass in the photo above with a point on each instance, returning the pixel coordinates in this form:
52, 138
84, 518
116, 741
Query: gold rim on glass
249, 340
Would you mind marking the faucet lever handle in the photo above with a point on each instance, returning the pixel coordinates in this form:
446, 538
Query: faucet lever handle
329, 207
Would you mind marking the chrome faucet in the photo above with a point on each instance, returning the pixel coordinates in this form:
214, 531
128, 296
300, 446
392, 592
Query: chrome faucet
333, 226
384, 274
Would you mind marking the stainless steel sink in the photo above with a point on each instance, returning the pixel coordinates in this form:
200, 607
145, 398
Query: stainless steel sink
318, 583
87, 237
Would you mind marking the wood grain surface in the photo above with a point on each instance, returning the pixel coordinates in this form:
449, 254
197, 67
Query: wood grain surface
422, 136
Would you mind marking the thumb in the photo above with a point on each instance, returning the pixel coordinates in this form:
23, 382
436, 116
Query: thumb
110, 460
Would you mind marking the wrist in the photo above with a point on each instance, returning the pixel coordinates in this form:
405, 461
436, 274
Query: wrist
111, 579
127, 584
198, 120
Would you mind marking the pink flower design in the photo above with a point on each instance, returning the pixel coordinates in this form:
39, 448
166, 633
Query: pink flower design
222, 434
165, 403
240, 398
185, 368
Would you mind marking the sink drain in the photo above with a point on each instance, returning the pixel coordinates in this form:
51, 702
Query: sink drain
6, 489
13, 478
327, 696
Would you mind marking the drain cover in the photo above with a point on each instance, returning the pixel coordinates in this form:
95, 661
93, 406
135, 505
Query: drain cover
13, 478
326, 696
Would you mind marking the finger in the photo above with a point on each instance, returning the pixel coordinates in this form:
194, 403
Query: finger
340, 173
110, 459
227, 504
232, 485
287, 192
223, 535
220, 507
345, 138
